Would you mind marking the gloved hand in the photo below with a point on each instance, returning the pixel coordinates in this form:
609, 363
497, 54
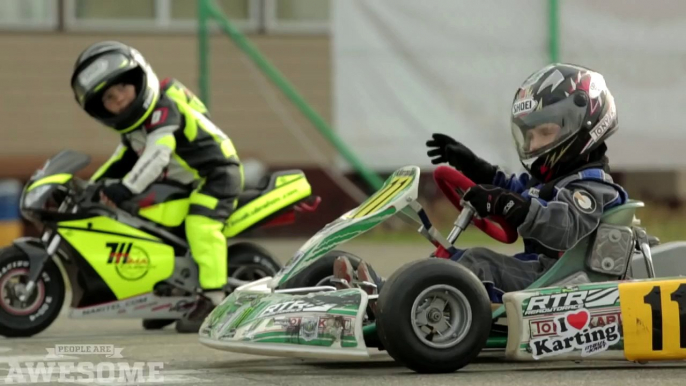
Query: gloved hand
115, 194
446, 149
491, 200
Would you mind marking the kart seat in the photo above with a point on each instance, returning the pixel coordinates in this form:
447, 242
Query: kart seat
572, 267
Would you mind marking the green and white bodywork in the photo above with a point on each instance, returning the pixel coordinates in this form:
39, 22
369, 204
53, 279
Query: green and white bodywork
260, 318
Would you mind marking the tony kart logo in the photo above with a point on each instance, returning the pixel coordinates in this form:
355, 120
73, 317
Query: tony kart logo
567, 301
575, 334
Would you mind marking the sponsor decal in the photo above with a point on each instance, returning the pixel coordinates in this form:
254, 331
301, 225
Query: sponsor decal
309, 328
597, 85
295, 306
524, 107
568, 301
575, 333
130, 262
118, 305
584, 201
604, 124
547, 326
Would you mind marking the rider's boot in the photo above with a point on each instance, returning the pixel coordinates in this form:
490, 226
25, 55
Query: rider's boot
193, 319
342, 273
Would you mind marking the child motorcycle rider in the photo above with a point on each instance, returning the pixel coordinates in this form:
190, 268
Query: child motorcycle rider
561, 117
166, 135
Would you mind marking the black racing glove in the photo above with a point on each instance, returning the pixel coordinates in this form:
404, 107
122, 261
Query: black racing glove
446, 149
492, 200
117, 193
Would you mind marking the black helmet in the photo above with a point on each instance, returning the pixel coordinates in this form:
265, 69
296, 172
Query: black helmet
569, 110
107, 63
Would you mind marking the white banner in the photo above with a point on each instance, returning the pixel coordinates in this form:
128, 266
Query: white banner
405, 69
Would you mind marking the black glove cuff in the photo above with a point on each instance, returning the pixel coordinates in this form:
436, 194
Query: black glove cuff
481, 172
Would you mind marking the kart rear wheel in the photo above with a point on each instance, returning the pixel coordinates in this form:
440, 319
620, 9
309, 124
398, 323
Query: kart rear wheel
320, 272
433, 316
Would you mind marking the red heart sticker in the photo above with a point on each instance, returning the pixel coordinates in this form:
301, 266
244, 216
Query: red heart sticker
578, 320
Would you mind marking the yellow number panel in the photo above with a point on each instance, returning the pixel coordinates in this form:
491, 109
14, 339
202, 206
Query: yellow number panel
654, 319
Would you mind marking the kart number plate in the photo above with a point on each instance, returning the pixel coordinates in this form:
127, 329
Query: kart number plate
654, 319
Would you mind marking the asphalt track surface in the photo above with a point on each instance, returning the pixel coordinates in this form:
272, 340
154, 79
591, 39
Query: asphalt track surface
181, 360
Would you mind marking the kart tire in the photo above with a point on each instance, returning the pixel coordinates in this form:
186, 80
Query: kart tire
462, 293
246, 261
45, 303
250, 262
320, 271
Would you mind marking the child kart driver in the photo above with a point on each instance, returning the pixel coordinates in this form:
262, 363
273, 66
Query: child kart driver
561, 117
165, 134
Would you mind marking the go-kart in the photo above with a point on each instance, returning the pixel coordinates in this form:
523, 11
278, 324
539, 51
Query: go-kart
600, 300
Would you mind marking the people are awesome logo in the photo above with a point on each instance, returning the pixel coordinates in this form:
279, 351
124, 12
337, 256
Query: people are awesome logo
574, 334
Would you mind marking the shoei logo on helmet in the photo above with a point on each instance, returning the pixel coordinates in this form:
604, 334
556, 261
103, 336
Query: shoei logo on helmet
524, 107
584, 201
92, 72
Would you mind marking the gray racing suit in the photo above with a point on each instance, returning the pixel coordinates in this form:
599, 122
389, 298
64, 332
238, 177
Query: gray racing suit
553, 225
561, 214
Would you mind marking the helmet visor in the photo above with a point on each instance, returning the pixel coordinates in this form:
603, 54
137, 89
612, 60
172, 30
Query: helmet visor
96, 75
543, 129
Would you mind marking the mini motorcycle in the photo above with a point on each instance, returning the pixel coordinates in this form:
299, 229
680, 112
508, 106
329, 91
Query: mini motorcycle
127, 262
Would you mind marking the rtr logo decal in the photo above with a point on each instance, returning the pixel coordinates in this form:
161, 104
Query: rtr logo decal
568, 301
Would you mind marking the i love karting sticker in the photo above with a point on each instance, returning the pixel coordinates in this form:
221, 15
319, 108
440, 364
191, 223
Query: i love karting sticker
584, 201
574, 332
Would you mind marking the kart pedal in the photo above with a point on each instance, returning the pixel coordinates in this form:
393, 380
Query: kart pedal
342, 273
340, 283
368, 287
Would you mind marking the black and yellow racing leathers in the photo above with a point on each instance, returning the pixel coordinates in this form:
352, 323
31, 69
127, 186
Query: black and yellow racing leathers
178, 142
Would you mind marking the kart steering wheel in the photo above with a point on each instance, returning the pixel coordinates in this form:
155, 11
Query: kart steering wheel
454, 184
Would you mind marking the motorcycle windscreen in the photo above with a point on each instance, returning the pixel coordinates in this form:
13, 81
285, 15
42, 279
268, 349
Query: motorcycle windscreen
397, 192
66, 162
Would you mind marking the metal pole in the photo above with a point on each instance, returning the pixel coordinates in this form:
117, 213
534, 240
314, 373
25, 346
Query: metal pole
554, 30
204, 52
280, 81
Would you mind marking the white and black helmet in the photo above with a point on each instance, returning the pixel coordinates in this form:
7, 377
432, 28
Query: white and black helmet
107, 63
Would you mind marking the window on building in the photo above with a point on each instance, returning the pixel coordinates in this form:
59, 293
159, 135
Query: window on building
28, 14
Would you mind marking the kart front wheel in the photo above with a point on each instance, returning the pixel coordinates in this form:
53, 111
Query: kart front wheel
433, 316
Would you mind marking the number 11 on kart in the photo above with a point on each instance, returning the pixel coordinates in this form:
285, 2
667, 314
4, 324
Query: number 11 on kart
654, 319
